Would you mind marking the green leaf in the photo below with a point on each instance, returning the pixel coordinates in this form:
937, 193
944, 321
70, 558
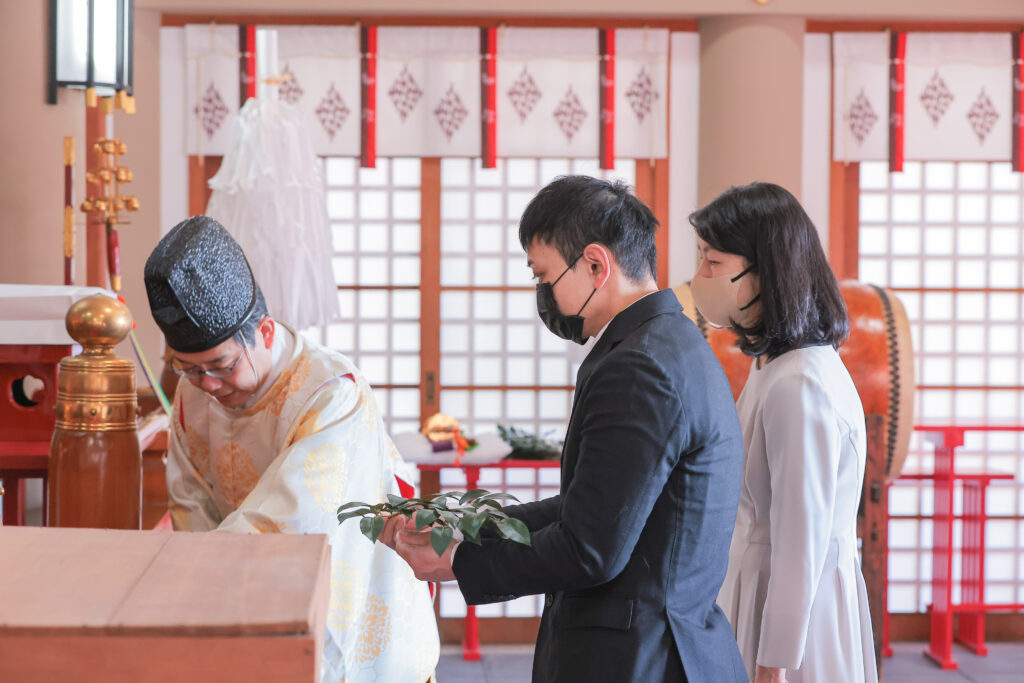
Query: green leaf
499, 496
440, 537
366, 526
514, 530
376, 527
470, 495
344, 516
470, 523
346, 506
450, 517
397, 501
425, 518
492, 503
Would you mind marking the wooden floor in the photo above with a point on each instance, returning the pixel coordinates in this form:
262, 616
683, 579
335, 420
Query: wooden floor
1004, 664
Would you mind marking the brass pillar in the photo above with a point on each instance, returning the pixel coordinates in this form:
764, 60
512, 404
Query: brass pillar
95, 471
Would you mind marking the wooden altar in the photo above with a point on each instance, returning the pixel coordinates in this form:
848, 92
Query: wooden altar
137, 606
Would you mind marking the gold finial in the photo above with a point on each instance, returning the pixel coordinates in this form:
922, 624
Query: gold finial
98, 322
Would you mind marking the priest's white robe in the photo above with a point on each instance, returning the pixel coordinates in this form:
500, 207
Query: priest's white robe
312, 441
793, 591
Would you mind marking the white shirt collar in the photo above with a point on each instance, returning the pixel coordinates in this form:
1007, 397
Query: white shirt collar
598, 336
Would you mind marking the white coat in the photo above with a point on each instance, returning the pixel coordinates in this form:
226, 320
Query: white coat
794, 592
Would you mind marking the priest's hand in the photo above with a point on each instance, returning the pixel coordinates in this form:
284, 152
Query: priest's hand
415, 548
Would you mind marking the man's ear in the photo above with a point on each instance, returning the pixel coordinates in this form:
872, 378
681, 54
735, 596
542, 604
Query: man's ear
266, 329
598, 261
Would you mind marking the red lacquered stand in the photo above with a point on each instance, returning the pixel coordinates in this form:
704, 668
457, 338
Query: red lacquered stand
25, 430
972, 607
471, 635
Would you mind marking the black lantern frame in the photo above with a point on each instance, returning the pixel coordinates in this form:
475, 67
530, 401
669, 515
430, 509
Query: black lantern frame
66, 35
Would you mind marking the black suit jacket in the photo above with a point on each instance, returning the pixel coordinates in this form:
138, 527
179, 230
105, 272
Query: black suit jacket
632, 552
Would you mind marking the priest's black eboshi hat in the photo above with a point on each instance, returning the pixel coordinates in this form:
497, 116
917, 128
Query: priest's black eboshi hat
200, 286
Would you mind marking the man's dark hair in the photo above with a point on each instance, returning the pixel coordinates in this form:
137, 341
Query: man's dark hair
574, 211
800, 300
259, 311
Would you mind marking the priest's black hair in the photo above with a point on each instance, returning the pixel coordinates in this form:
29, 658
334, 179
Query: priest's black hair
574, 211
800, 300
259, 311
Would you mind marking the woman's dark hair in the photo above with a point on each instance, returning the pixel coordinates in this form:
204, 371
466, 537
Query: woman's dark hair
800, 300
574, 211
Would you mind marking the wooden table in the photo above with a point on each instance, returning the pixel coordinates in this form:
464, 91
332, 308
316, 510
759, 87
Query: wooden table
138, 606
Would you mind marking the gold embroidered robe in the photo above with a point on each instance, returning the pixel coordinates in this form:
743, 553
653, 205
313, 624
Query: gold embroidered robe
315, 440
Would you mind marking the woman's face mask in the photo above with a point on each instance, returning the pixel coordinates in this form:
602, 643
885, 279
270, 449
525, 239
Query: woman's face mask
719, 299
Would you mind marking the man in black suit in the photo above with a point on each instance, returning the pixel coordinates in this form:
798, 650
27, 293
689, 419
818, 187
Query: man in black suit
632, 552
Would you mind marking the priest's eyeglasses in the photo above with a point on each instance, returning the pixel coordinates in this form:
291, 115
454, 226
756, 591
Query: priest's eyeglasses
195, 372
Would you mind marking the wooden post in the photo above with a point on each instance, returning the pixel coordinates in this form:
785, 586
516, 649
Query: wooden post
873, 528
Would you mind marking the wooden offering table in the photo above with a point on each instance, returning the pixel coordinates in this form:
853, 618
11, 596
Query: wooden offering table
138, 606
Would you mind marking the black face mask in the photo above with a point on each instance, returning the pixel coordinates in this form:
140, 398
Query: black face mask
565, 326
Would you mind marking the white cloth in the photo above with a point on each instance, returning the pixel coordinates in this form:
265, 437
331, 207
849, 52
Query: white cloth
323, 67
212, 89
641, 93
959, 96
794, 592
548, 99
860, 96
314, 441
428, 91
269, 194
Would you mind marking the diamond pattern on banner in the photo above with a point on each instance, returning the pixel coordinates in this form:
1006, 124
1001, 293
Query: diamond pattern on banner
524, 94
212, 110
642, 95
862, 117
211, 88
290, 91
936, 98
332, 112
570, 114
983, 116
405, 93
451, 112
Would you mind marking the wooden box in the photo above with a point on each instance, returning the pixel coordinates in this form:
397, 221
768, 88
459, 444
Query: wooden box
137, 606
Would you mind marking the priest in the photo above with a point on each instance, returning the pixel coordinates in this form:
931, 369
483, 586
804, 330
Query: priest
270, 434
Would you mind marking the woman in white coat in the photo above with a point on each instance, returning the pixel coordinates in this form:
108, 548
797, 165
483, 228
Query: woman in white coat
793, 592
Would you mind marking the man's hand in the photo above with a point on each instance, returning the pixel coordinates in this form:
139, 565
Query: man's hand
414, 547
391, 528
767, 674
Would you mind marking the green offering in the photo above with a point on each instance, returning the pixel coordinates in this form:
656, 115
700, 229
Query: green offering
470, 512
528, 446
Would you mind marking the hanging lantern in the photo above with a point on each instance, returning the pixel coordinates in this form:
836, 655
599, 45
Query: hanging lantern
92, 46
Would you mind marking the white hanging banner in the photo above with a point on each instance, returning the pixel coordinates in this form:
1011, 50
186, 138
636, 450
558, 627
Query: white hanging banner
321, 65
428, 91
641, 93
548, 100
212, 86
959, 96
860, 104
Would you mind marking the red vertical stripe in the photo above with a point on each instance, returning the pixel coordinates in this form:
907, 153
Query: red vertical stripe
897, 89
250, 62
607, 90
1018, 102
368, 48
489, 97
